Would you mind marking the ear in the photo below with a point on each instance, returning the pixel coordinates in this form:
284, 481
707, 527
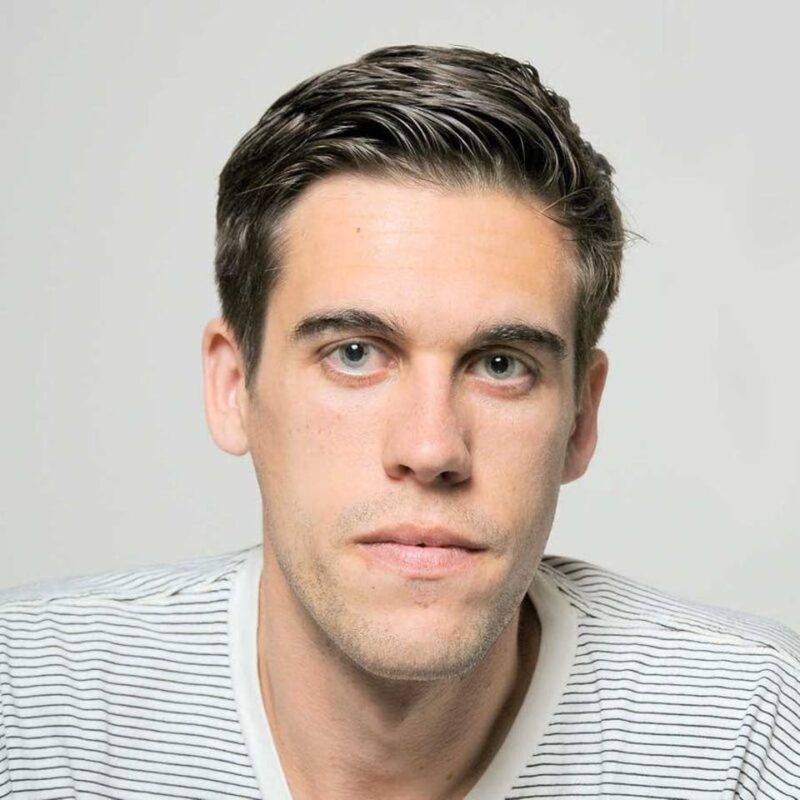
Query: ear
224, 390
583, 439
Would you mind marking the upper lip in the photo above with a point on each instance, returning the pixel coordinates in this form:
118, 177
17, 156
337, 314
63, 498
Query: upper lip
411, 534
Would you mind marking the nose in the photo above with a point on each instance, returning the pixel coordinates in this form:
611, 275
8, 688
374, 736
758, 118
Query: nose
425, 436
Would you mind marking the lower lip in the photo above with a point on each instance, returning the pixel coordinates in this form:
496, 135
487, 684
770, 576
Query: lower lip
414, 561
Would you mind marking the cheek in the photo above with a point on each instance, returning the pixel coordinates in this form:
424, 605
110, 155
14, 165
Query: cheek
529, 440
519, 465
336, 442
313, 448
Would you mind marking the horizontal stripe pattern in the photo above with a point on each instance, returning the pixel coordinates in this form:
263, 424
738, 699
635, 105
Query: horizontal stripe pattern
668, 699
120, 686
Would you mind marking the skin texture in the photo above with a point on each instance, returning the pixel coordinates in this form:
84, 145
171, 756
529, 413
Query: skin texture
376, 684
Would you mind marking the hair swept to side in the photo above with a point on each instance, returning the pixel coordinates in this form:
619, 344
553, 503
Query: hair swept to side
455, 116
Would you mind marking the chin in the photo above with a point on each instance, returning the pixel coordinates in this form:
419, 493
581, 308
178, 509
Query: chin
423, 654
417, 666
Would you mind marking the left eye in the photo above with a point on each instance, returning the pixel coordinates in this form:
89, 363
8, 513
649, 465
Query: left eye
503, 366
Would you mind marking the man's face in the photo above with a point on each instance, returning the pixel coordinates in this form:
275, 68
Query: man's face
352, 430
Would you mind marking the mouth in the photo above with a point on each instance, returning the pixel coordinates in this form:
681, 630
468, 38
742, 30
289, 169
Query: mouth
416, 552
411, 535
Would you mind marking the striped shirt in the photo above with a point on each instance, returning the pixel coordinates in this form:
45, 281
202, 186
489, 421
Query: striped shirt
143, 684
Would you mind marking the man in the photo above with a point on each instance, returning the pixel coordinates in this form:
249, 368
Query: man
416, 255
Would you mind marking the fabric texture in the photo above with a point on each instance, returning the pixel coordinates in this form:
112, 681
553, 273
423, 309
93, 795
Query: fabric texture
142, 683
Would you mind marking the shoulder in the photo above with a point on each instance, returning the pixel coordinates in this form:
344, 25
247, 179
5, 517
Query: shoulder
65, 618
120, 669
619, 602
680, 683
137, 584
150, 625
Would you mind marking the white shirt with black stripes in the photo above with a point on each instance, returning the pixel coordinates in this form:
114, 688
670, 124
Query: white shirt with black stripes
143, 684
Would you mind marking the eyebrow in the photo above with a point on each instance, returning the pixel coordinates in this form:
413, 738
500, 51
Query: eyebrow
350, 319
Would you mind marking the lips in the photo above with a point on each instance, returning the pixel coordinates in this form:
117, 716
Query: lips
417, 536
418, 552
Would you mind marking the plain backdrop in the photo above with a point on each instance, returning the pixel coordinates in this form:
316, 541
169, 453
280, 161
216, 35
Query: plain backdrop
117, 118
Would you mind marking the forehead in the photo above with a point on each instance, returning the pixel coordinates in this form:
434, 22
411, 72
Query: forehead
439, 259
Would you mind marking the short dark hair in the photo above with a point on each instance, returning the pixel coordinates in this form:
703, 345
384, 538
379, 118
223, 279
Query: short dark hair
456, 116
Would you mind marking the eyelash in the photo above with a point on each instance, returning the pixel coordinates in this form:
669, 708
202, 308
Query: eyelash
533, 371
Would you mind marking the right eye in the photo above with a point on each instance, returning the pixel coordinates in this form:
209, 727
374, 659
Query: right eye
352, 354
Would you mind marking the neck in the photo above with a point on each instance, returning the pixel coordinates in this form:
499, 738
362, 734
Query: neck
341, 732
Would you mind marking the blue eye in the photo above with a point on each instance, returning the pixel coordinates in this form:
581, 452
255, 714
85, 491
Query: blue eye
504, 362
352, 352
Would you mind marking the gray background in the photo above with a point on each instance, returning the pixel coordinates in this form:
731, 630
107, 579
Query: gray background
117, 119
